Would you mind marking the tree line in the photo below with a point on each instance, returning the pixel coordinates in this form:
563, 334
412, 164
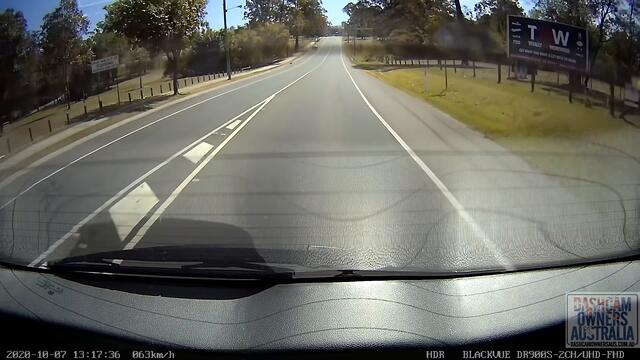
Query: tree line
445, 29
52, 64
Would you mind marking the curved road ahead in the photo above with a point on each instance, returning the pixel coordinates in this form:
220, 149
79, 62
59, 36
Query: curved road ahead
315, 156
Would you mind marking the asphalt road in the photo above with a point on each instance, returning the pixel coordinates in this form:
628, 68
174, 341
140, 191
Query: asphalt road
318, 157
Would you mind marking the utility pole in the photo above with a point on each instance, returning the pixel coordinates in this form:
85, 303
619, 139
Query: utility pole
355, 39
296, 19
283, 20
226, 39
226, 36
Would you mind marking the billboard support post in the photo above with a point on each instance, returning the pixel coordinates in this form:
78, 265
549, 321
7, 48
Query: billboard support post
446, 77
533, 79
118, 86
570, 88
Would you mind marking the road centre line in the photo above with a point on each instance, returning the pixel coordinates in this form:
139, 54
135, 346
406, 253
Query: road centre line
131, 186
460, 209
136, 182
178, 190
60, 151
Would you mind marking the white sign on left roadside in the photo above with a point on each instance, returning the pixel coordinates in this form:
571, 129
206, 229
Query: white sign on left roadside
104, 64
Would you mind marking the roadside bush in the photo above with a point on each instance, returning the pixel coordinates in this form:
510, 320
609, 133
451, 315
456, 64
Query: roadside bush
259, 45
252, 46
206, 54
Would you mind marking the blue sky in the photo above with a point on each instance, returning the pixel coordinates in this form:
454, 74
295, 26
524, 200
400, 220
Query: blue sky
34, 10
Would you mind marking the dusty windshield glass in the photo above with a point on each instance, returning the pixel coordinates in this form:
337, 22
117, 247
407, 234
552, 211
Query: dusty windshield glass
430, 136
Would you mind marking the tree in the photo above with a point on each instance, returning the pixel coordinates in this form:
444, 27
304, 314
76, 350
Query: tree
15, 43
275, 40
602, 12
105, 44
158, 25
314, 18
573, 12
263, 11
407, 21
305, 17
259, 44
459, 14
363, 14
625, 42
494, 14
61, 39
207, 53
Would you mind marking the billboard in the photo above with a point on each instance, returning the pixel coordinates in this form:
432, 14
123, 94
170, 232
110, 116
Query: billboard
104, 64
547, 42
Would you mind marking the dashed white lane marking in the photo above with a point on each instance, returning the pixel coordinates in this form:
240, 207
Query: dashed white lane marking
197, 153
460, 209
234, 125
128, 188
2, 156
163, 207
39, 260
129, 211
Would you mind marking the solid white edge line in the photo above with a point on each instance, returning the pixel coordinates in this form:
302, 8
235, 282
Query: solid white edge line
103, 131
129, 187
180, 188
464, 214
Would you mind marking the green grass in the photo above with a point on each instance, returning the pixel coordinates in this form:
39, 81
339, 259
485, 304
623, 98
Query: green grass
501, 110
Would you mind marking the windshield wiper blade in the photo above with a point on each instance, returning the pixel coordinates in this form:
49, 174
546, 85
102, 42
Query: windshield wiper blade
203, 270
222, 263
173, 262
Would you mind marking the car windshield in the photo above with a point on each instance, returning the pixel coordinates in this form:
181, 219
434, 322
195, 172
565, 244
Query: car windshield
293, 136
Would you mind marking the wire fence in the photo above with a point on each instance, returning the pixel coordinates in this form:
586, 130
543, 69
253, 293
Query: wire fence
49, 120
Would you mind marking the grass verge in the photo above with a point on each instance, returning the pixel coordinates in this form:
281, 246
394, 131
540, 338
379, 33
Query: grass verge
508, 109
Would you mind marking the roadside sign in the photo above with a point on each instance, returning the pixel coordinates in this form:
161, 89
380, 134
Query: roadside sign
547, 42
104, 64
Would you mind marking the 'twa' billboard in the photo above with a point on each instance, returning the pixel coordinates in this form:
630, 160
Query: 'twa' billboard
547, 42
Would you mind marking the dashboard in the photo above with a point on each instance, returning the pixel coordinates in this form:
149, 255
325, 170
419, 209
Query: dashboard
521, 310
